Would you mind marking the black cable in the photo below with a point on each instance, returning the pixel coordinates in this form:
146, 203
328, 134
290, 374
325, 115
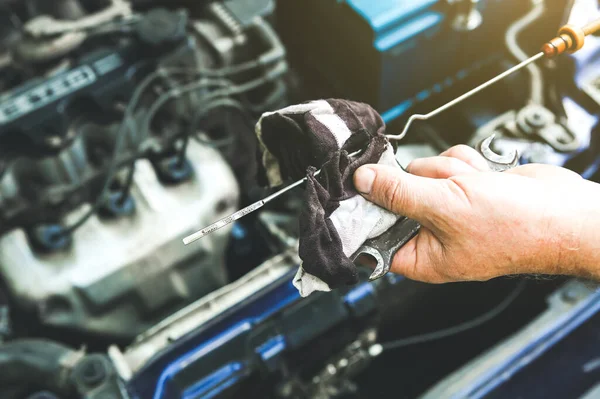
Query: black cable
128, 123
229, 90
219, 144
174, 93
125, 191
183, 151
118, 147
128, 183
102, 197
460, 328
3, 168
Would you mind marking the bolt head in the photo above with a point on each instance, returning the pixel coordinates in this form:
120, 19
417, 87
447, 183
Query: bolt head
92, 372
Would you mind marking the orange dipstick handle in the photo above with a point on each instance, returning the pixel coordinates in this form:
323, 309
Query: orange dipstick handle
570, 39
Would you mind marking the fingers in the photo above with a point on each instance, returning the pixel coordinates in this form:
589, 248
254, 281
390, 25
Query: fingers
402, 193
458, 160
416, 259
544, 172
468, 155
405, 264
439, 167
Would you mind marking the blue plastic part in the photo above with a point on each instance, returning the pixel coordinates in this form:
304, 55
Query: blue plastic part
220, 347
402, 109
384, 52
574, 370
408, 31
166, 377
359, 293
401, 49
499, 374
361, 300
269, 352
211, 386
50, 238
238, 231
591, 170
116, 206
384, 15
173, 171
397, 111
394, 279
161, 373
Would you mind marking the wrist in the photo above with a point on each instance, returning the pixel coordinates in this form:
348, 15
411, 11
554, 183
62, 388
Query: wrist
579, 232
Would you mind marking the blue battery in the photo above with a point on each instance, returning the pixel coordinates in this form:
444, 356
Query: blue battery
385, 52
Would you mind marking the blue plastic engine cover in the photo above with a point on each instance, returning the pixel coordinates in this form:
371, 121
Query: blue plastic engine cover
384, 52
235, 354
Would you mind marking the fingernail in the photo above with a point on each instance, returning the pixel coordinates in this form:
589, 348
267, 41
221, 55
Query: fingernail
363, 180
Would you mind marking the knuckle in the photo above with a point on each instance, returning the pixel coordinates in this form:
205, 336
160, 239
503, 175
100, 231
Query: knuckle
460, 189
457, 150
464, 149
468, 155
392, 195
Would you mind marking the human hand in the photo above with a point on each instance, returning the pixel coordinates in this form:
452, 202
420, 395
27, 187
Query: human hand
478, 224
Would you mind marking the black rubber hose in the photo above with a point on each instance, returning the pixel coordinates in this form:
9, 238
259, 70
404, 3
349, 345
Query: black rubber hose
36, 364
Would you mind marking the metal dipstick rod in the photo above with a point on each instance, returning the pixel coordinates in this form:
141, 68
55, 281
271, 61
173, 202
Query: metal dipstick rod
468, 94
259, 204
569, 39
241, 213
249, 209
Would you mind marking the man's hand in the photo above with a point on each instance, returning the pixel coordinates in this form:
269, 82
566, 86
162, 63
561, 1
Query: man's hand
478, 224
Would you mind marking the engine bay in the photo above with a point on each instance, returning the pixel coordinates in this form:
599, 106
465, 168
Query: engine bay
126, 125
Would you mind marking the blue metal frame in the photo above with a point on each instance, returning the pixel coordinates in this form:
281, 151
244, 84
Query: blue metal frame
556, 332
219, 339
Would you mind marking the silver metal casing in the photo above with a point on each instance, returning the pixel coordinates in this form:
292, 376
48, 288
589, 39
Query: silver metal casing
119, 277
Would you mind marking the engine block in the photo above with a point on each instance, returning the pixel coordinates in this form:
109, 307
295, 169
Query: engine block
126, 125
140, 101
120, 276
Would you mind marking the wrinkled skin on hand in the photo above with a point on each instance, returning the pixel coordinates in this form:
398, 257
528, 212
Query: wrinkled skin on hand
479, 224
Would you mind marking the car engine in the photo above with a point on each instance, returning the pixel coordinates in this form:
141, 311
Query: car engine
126, 125
65, 116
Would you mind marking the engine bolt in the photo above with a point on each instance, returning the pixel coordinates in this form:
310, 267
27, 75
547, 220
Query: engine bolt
93, 372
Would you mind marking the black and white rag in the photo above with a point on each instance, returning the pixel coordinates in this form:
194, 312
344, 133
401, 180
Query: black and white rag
335, 219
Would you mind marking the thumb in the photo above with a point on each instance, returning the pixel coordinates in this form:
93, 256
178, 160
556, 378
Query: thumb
400, 192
